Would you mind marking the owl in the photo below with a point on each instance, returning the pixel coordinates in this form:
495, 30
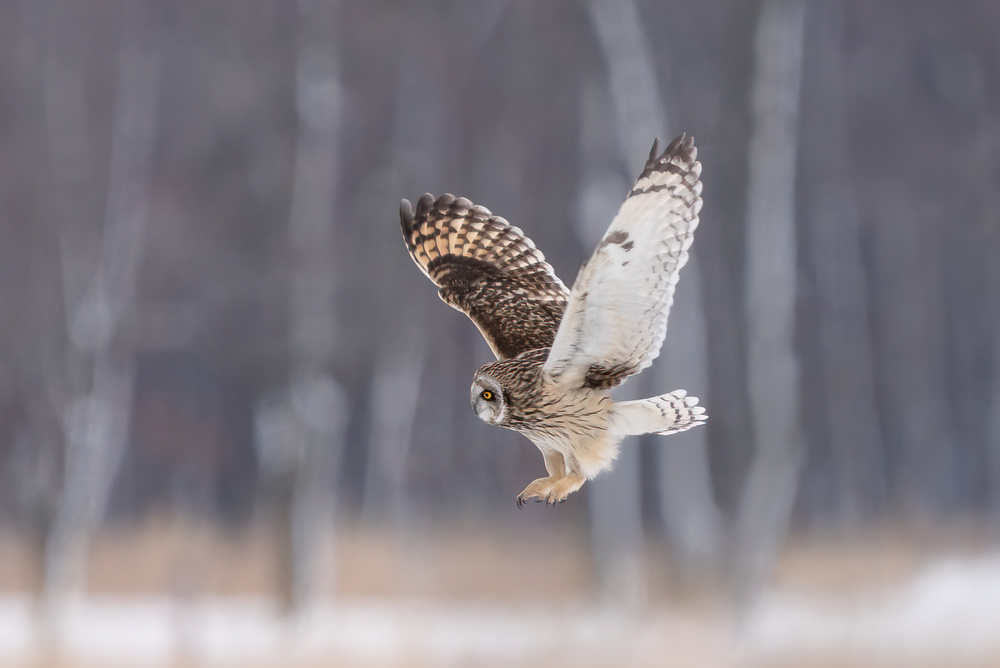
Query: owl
560, 352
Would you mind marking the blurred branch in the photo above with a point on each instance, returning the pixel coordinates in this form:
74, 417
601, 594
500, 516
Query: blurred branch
65, 104
97, 315
311, 231
300, 455
96, 421
631, 70
770, 488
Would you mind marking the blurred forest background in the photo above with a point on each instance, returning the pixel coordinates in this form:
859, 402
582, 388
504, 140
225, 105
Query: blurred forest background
209, 323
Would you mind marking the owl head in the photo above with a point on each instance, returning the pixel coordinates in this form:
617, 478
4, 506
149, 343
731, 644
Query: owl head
488, 400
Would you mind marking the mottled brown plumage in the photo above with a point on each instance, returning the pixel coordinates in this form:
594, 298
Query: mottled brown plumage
487, 269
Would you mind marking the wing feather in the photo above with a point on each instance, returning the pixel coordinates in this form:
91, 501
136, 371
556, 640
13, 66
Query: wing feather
616, 318
486, 268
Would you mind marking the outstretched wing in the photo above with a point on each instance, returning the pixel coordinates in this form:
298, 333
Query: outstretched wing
616, 318
488, 269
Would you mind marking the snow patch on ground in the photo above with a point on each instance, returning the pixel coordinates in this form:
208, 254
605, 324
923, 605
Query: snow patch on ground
147, 632
948, 614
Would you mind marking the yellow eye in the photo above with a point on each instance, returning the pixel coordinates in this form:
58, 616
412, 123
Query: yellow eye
487, 395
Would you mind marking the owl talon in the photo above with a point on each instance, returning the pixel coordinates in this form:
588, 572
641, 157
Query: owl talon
551, 490
537, 491
522, 499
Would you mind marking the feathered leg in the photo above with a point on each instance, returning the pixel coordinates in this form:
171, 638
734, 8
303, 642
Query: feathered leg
553, 489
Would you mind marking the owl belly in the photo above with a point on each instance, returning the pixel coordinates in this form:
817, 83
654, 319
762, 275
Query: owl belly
580, 432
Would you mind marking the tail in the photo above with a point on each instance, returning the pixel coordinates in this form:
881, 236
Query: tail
666, 414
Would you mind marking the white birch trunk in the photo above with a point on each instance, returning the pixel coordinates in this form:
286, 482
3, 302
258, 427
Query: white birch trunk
688, 509
312, 407
616, 498
772, 369
96, 417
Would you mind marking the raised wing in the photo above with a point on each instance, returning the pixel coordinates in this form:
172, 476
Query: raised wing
616, 318
488, 269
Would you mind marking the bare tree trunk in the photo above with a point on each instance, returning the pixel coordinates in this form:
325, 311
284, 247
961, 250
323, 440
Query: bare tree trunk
96, 430
993, 453
846, 383
688, 509
417, 142
615, 500
96, 418
421, 133
771, 287
632, 82
395, 399
311, 410
691, 517
990, 126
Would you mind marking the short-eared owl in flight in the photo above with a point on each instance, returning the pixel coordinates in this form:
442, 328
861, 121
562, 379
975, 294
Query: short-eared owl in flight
559, 352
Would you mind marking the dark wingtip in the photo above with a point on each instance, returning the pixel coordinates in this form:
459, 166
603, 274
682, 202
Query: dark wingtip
406, 215
424, 204
682, 146
676, 144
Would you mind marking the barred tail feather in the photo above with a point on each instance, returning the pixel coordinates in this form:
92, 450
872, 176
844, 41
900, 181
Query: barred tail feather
666, 414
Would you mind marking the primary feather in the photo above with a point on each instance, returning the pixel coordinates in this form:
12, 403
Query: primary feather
486, 268
616, 318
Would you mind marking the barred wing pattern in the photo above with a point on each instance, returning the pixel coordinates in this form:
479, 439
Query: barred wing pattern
486, 268
616, 318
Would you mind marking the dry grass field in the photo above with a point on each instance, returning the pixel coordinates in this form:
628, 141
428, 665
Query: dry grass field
469, 597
